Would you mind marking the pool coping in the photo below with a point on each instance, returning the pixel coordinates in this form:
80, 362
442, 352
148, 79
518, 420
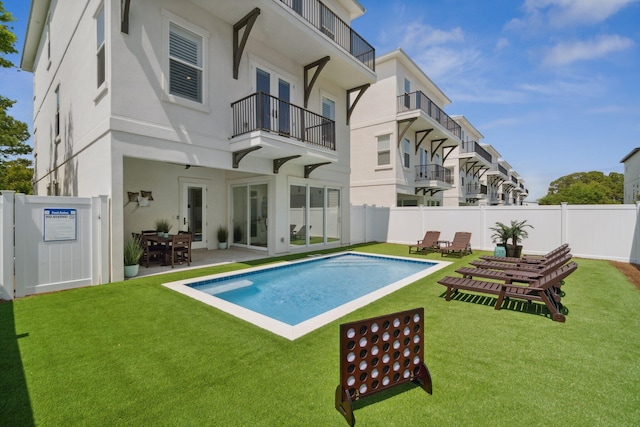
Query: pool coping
296, 331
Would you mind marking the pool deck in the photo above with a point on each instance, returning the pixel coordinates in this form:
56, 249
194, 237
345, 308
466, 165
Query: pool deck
205, 258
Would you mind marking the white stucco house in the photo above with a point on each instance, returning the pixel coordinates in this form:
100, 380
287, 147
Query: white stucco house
401, 137
202, 112
406, 151
631, 175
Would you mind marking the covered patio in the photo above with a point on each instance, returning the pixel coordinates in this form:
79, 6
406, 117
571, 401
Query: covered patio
205, 258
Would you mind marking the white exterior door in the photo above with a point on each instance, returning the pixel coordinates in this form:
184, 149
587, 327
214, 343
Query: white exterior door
193, 213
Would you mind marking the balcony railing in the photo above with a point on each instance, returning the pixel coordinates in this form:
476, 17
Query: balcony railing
433, 173
261, 111
475, 147
323, 18
514, 179
419, 101
498, 167
475, 189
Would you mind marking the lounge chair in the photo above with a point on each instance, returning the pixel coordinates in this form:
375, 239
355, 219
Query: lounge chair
518, 266
518, 275
461, 245
539, 290
532, 259
428, 243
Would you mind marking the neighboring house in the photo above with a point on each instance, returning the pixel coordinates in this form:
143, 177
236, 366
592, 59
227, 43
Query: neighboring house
202, 112
469, 162
401, 137
406, 151
631, 176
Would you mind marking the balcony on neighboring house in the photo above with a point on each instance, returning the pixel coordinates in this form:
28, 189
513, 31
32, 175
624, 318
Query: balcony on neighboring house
278, 129
476, 190
473, 147
418, 101
432, 178
322, 18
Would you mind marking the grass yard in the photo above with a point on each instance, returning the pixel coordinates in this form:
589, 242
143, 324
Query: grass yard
136, 353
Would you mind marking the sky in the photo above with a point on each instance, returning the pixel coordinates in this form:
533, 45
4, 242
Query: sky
553, 85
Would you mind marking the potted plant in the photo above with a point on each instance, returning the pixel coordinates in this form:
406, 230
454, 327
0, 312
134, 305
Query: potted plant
518, 232
223, 235
133, 252
162, 227
237, 234
515, 231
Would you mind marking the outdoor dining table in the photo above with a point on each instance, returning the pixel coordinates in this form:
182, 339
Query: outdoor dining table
163, 242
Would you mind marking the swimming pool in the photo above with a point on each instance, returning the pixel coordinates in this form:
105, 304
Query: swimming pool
293, 298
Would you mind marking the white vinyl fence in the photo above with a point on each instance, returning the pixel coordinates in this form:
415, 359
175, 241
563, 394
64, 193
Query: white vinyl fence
52, 243
593, 231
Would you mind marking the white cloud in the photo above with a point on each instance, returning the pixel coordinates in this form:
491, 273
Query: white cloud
569, 52
501, 43
540, 15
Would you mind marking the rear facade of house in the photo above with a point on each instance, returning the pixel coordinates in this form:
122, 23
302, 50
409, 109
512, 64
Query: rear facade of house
206, 113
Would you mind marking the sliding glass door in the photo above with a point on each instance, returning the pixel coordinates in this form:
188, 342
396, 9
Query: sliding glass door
250, 206
314, 215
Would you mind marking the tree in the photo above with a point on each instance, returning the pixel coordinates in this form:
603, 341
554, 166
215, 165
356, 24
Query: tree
13, 133
16, 175
588, 188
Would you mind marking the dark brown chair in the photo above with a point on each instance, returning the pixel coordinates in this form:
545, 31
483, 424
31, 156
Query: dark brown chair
531, 259
180, 248
523, 265
538, 290
460, 245
428, 243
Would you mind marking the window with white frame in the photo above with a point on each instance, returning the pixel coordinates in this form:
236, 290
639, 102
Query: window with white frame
328, 112
407, 91
406, 153
384, 150
100, 46
186, 51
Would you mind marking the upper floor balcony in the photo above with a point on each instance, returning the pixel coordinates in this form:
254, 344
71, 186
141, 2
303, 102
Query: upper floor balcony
301, 31
499, 170
474, 189
322, 18
433, 178
474, 148
418, 102
282, 130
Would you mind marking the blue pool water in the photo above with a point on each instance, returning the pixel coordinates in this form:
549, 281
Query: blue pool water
300, 291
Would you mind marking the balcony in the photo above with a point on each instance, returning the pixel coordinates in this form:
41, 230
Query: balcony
419, 101
476, 190
323, 19
432, 179
282, 129
473, 147
499, 169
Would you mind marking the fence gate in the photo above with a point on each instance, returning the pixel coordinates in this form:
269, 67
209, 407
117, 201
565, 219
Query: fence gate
52, 243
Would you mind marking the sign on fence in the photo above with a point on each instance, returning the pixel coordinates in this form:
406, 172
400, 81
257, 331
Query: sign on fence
60, 224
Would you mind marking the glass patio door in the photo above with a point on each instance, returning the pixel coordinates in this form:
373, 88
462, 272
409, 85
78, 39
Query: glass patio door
273, 114
193, 213
250, 215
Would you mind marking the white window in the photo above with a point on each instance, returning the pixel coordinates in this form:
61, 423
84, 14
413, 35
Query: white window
406, 153
328, 127
185, 63
384, 150
100, 46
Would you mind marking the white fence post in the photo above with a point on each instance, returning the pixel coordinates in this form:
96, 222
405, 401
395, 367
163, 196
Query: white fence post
101, 272
7, 286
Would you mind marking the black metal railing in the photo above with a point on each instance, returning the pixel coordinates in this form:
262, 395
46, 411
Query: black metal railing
261, 111
320, 16
434, 172
419, 101
475, 147
498, 167
476, 188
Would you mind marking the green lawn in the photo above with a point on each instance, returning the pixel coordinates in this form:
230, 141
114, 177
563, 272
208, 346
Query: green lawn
136, 353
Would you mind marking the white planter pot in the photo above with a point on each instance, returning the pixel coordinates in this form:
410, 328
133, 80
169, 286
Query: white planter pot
131, 270
222, 245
